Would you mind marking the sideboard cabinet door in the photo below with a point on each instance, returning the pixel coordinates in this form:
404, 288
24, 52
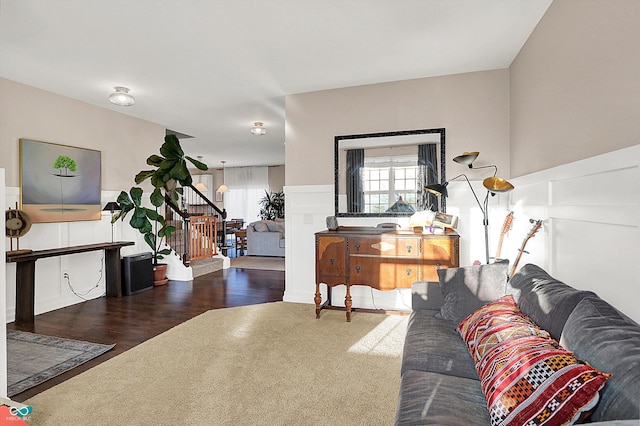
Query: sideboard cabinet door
331, 259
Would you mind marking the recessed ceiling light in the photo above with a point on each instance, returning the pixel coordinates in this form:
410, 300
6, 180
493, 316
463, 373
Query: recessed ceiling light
121, 97
258, 128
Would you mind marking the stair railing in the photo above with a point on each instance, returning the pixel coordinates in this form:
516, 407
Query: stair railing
194, 205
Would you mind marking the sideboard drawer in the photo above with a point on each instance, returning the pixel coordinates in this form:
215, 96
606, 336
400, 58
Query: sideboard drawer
430, 272
385, 246
383, 275
444, 249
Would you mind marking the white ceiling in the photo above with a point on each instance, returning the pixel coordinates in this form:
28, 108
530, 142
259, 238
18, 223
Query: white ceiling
211, 68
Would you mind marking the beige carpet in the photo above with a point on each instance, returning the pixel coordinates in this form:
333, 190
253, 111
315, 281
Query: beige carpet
258, 262
270, 364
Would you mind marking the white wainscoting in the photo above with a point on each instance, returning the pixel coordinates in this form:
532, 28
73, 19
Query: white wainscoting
86, 270
306, 208
590, 237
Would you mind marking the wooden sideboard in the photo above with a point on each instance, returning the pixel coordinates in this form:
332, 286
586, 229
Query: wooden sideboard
380, 258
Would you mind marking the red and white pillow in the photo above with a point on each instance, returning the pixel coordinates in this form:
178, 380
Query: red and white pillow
527, 377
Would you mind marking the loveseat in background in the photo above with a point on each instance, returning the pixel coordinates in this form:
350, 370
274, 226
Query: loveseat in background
265, 238
439, 383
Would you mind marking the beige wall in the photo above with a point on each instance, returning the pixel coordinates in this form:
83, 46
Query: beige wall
473, 108
276, 178
575, 87
27, 112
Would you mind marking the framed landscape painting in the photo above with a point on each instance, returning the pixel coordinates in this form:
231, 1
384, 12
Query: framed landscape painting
59, 183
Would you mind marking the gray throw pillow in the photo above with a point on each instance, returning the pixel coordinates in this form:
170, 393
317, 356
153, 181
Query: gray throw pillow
468, 288
260, 227
275, 226
426, 295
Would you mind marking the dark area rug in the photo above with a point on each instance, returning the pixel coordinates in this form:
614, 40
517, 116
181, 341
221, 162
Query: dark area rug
34, 358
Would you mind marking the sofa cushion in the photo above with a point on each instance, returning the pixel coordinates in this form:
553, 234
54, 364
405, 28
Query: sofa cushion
433, 344
527, 377
466, 289
597, 332
544, 299
436, 399
274, 226
260, 226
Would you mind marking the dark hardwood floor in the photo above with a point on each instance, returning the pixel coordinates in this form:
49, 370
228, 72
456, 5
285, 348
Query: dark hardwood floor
130, 320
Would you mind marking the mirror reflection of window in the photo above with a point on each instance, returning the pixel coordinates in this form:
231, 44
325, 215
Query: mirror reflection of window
382, 174
386, 181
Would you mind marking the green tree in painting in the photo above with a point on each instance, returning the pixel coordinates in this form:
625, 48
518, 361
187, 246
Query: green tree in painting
66, 163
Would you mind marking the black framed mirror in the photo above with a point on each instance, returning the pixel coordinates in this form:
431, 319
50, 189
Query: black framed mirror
383, 174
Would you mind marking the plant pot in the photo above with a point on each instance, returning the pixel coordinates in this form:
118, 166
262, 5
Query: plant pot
160, 274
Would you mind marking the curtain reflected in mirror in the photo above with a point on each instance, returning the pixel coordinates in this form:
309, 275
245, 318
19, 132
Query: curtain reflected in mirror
427, 174
355, 192
383, 174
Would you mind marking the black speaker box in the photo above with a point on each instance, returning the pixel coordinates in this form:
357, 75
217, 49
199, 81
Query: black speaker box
137, 273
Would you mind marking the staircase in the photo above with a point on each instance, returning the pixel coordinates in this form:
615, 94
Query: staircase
196, 237
199, 266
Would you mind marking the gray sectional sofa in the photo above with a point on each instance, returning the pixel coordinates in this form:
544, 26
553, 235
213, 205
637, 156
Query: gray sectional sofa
265, 238
439, 383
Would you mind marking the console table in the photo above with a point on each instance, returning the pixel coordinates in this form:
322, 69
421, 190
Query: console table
380, 258
26, 273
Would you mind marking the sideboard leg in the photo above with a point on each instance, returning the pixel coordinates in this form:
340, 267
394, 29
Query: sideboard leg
25, 292
317, 300
348, 303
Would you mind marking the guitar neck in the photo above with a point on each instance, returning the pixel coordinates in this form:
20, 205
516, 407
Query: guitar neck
499, 249
536, 225
508, 220
515, 263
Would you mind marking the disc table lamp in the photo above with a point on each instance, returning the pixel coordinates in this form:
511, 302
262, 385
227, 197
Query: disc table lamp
112, 207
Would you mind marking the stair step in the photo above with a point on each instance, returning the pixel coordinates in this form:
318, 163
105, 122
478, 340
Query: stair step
206, 266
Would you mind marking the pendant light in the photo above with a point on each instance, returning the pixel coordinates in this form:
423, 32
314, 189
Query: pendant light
200, 186
223, 187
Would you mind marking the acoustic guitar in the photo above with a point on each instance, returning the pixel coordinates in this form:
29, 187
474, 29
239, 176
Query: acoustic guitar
536, 225
506, 227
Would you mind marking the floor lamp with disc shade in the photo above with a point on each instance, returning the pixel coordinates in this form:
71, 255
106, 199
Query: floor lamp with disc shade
493, 184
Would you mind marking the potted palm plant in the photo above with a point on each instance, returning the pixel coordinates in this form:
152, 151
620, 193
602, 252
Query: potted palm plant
169, 175
272, 206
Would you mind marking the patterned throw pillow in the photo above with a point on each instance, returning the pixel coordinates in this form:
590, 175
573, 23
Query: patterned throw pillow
494, 323
527, 377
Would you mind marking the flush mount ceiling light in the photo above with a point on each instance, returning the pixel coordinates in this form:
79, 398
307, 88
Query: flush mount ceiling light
121, 97
258, 128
